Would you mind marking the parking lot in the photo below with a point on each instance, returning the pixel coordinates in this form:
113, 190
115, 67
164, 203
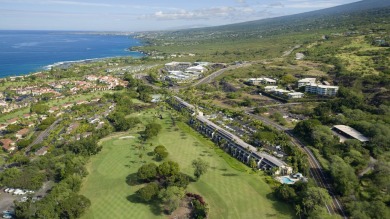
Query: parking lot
7, 199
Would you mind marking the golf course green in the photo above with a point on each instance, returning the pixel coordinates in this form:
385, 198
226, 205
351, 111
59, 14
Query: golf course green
231, 189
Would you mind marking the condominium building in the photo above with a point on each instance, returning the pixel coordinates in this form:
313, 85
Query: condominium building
306, 81
322, 90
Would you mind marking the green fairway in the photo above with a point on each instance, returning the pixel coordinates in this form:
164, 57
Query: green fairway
228, 187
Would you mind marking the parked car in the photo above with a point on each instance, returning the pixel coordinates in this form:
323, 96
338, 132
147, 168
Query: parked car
7, 216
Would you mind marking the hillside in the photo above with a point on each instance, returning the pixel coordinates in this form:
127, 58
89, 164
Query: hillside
347, 46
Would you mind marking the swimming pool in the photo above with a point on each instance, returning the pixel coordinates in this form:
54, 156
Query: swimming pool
286, 180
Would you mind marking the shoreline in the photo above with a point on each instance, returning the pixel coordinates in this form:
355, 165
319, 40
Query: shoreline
129, 47
67, 64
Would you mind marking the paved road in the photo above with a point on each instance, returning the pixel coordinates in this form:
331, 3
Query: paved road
43, 135
316, 170
205, 80
212, 76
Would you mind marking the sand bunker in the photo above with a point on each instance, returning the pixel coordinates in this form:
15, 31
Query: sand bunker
126, 137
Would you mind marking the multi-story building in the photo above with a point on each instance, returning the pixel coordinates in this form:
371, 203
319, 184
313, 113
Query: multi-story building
257, 81
306, 81
235, 146
322, 90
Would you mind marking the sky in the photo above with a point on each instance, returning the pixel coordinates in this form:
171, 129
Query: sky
145, 15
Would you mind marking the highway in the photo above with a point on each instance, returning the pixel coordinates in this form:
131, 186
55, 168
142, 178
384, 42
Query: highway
212, 76
316, 171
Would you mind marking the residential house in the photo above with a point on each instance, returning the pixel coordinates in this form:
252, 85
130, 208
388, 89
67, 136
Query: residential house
67, 105
91, 78
281, 92
295, 95
8, 145
42, 151
270, 88
81, 102
53, 109
13, 121
22, 133
3, 127
3, 103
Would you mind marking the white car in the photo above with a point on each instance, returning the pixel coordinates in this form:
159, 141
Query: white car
11, 190
18, 192
6, 190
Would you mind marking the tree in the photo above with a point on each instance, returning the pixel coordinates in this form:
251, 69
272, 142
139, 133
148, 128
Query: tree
286, 193
168, 168
253, 164
171, 197
314, 198
12, 128
151, 130
74, 206
147, 172
148, 192
179, 180
39, 109
322, 136
160, 152
200, 167
200, 210
344, 176
288, 79
121, 123
304, 128
298, 210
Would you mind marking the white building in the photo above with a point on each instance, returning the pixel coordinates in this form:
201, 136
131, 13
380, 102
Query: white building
349, 132
196, 69
295, 95
306, 81
270, 88
257, 81
322, 90
281, 91
177, 66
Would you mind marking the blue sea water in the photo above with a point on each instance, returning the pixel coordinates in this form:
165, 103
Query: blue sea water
23, 52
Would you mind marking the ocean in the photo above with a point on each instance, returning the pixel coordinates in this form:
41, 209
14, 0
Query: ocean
23, 52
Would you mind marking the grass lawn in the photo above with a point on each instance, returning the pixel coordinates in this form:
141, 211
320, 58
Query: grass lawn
230, 188
11, 115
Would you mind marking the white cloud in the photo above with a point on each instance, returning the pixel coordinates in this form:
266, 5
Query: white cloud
204, 14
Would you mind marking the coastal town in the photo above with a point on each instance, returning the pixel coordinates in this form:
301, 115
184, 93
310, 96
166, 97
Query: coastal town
286, 117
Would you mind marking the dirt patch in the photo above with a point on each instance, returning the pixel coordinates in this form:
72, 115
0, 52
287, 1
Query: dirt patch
183, 211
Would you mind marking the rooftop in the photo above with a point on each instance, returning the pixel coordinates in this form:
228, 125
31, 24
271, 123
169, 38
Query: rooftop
243, 144
351, 132
307, 80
